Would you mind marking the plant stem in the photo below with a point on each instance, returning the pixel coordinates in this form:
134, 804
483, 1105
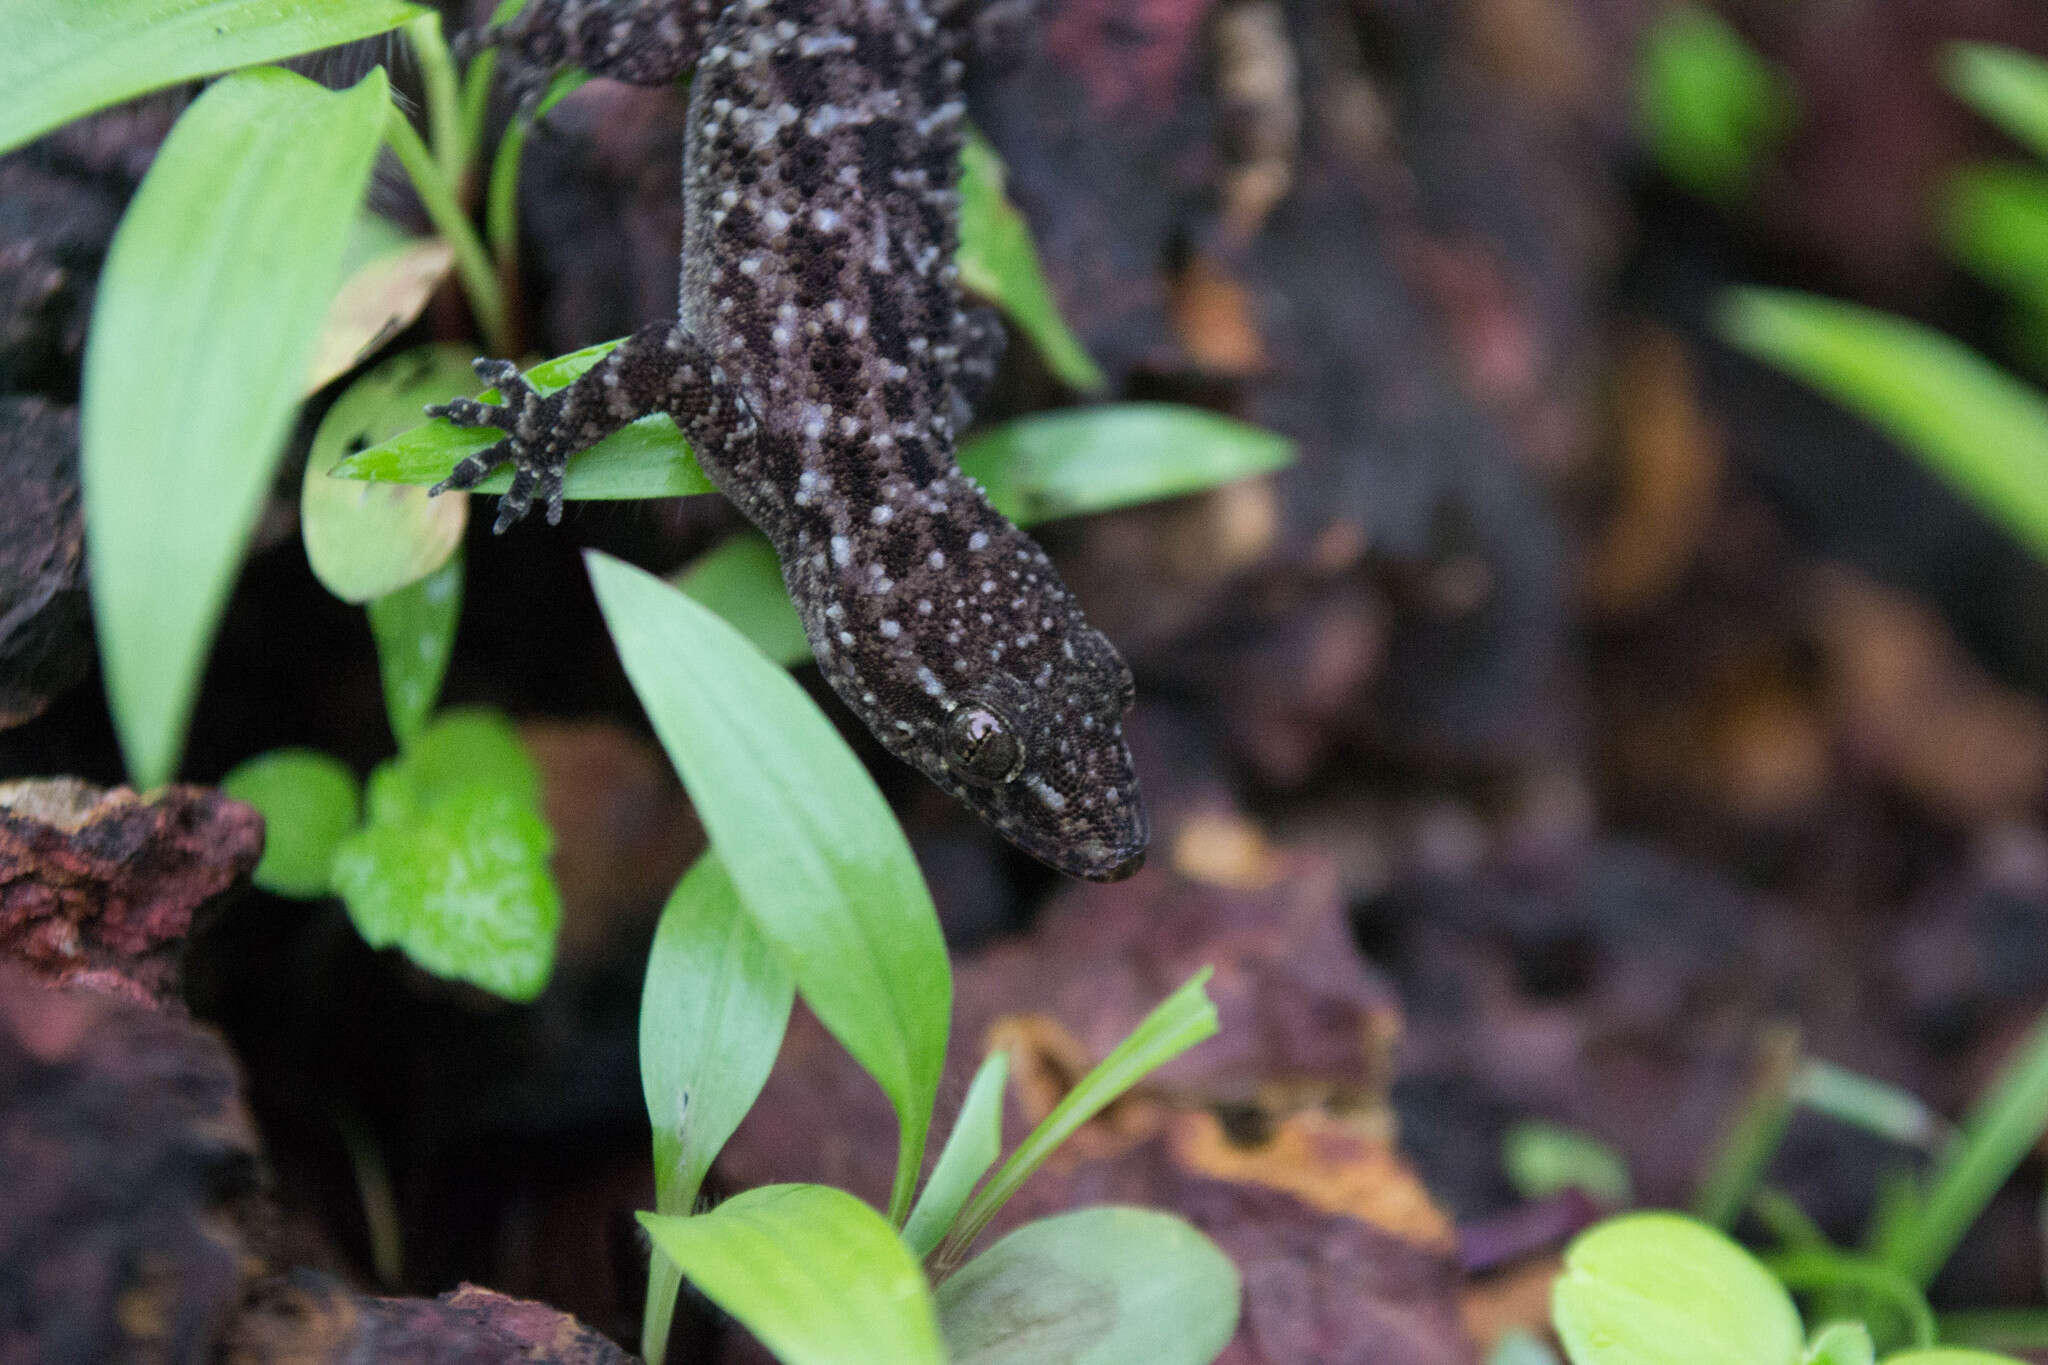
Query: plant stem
664, 1282
472, 263
1754, 1135
447, 127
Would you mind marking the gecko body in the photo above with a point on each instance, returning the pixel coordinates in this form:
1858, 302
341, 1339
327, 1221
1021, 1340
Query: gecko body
822, 364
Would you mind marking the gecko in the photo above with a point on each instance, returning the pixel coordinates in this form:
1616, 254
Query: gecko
822, 364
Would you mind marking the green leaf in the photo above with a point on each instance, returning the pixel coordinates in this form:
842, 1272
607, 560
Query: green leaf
1662, 1289
1864, 1102
62, 59
741, 580
1950, 1355
309, 802
971, 1148
816, 856
1519, 1347
379, 298
814, 1273
999, 262
208, 311
1851, 1285
1058, 465
1994, 220
1544, 1159
452, 865
364, 540
1708, 105
415, 633
1083, 460
2001, 1128
649, 459
1841, 1343
1103, 1286
1977, 426
2005, 85
1178, 1022
712, 1015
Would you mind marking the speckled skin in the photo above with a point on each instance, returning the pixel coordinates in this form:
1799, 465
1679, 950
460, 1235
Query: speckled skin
822, 365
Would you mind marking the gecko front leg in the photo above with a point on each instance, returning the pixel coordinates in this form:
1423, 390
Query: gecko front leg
660, 368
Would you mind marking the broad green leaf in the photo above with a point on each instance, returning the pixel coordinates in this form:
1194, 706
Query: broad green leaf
742, 581
1058, 465
1103, 1286
1841, 1343
415, 633
1663, 1289
62, 59
378, 299
814, 1273
1176, 1024
1980, 428
1951, 1355
309, 802
208, 311
1543, 1159
999, 262
1082, 460
712, 1012
451, 866
2005, 85
971, 1148
366, 540
1709, 106
1995, 221
649, 459
816, 856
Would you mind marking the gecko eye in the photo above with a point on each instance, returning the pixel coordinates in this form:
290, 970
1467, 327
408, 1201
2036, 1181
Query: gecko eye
980, 747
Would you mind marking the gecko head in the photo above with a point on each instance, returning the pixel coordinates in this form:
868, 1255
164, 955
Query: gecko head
1042, 758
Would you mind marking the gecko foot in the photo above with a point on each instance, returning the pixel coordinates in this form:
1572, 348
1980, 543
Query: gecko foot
528, 419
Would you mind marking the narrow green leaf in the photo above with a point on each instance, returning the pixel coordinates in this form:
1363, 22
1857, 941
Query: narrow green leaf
816, 856
712, 1015
1543, 1159
365, 540
971, 1148
209, 308
1864, 1102
1849, 1285
1976, 425
1058, 465
415, 633
2001, 1128
1178, 1022
741, 580
309, 802
1662, 1289
451, 866
999, 262
2005, 85
1710, 107
1950, 1355
1994, 220
1082, 460
814, 1273
649, 459
1840, 1343
62, 59
1103, 1286
2015, 1329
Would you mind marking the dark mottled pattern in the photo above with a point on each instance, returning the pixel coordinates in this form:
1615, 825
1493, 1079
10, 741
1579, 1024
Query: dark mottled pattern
822, 365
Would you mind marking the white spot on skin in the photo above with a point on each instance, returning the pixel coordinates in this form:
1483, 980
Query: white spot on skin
1051, 799
890, 630
978, 541
842, 551
882, 513
929, 681
845, 637
937, 559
